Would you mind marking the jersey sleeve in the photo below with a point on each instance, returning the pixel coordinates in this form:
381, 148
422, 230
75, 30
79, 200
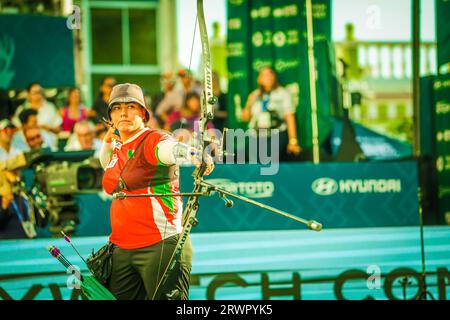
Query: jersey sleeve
151, 146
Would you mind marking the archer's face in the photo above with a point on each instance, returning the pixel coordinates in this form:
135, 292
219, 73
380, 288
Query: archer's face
127, 117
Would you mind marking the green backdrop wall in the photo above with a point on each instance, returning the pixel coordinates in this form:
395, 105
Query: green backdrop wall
35, 48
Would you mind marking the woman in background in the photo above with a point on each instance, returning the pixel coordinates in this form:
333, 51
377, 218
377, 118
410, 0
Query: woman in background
73, 111
188, 114
271, 107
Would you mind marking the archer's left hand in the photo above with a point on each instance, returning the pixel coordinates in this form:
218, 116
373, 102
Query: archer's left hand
208, 160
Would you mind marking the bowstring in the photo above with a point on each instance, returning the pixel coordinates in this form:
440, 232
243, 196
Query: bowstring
159, 279
192, 45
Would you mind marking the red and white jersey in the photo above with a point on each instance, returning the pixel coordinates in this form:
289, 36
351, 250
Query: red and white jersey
142, 221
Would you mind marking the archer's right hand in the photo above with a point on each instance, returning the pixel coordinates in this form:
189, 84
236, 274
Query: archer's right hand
110, 136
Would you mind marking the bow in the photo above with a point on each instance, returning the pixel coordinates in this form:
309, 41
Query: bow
207, 103
202, 187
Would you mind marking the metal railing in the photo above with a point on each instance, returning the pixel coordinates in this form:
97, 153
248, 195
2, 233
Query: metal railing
388, 59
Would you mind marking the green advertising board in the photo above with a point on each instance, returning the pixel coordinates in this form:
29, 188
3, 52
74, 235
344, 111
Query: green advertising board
443, 35
339, 195
442, 142
273, 33
35, 48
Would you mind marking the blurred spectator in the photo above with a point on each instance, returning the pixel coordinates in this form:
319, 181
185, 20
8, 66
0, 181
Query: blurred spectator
100, 107
167, 81
188, 115
174, 99
271, 107
29, 119
152, 122
15, 220
33, 137
189, 84
83, 138
73, 111
7, 150
48, 117
220, 108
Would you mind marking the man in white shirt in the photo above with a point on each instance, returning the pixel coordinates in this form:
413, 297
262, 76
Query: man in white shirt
48, 116
84, 138
29, 119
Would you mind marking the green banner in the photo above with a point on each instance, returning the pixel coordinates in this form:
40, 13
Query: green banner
286, 42
427, 133
261, 46
238, 57
321, 11
35, 48
442, 129
443, 35
277, 38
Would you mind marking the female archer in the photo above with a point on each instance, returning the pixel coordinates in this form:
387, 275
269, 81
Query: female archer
145, 230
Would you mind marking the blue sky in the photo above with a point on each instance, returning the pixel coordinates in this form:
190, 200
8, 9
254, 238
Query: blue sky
373, 20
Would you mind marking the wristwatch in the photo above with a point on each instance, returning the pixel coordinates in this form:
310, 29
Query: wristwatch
293, 141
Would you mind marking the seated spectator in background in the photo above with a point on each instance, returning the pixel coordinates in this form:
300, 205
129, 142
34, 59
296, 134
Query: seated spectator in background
83, 138
172, 100
73, 111
186, 119
167, 81
152, 123
14, 215
220, 108
29, 119
48, 117
33, 137
100, 107
188, 83
7, 150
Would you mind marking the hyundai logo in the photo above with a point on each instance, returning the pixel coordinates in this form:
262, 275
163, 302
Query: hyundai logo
324, 186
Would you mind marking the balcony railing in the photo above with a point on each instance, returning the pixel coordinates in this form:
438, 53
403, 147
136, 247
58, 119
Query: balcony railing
388, 59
